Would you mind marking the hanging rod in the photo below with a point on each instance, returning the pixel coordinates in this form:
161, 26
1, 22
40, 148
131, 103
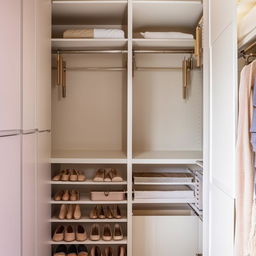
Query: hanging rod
94, 68
89, 51
248, 48
174, 51
157, 68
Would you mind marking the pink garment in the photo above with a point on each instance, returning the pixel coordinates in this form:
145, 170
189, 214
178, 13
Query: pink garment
244, 162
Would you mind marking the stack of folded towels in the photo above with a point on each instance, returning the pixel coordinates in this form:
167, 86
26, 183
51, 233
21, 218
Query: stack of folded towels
94, 33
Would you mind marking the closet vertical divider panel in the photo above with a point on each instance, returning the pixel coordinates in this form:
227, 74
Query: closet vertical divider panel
129, 126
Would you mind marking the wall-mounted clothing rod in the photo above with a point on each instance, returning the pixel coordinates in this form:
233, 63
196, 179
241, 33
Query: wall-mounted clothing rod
174, 51
248, 48
94, 68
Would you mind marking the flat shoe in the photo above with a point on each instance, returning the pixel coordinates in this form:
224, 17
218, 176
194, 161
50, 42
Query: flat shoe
118, 233
65, 176
99, 177
59, 234
101, 213
81, 234
81, 176
73, 175
72, 251
58, 176
61, 250
95, 232
74, 195
107, 234
65, 196
82, 250
69, 234
58, 196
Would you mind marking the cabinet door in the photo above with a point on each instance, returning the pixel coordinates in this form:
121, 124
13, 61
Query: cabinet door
43, 194
222, 119
28, 194
10, 77
29, 65
10, 189
43, 64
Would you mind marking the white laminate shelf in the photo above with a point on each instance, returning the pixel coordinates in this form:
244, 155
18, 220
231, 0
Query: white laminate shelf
165, 183
88, 44
183, 14
88, 220
124, 241
167, 44
88, 157
89, 12
167, 157
86, 200
88, 182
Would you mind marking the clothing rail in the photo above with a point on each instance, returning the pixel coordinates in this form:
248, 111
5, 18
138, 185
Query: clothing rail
173, 51
248, 56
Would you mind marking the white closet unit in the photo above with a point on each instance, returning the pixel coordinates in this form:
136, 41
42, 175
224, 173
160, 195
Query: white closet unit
119, 103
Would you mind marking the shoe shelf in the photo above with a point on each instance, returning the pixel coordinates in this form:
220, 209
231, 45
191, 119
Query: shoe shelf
103, 242
165, 183
88, 220
86, 200
87, 182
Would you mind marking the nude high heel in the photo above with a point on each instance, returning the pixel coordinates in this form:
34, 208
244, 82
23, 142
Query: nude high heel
63, 212
77, 212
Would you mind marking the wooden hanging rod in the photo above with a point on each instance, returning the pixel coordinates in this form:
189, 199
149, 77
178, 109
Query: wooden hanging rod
247, 49
174, 51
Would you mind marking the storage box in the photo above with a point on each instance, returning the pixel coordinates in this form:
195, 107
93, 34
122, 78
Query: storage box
107, 195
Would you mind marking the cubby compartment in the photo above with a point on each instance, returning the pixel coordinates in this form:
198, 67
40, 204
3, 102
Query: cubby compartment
90, 122
165, 125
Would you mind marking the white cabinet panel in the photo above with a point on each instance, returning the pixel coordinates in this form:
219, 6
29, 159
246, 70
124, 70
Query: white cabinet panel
165, 235
43, 65
222, 15
223, 111
10, 44
10, 189
28, 194
221, 223
43, 194
29, 65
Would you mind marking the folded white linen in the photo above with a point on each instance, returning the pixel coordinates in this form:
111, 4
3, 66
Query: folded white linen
166, 35
108, 33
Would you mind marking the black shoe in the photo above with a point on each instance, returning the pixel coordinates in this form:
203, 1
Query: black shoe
60, 250
82, 248
72, 250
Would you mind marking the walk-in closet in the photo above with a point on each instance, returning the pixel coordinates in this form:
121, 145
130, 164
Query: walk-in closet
117, 127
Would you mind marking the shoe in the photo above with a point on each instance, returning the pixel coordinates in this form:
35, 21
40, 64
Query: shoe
61, 250
107, 234
81, 234
99, 177
117, 212
107, 176
95, 251
74, 195
109, 213
66, 196
95, 232
118, 234
81, 176
58, 234
82, 250
65, 176
115, 177
63, 212
58, 176
101, 213
58, 196
77, 212
69, 215
109, 251
69, 234
73, 175
72, 251
121, 251
94, 213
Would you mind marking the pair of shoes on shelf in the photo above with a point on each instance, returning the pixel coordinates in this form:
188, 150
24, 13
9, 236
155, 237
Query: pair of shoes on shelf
108, 251
69, 175
72, 250
69, 233
108, 212
107, 234
67, 195
107, 175
70, 212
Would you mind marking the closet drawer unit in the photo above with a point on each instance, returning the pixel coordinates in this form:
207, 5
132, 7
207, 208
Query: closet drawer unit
165, 235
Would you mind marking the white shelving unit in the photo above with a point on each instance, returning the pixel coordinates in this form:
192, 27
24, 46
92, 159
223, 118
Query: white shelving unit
131, 96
